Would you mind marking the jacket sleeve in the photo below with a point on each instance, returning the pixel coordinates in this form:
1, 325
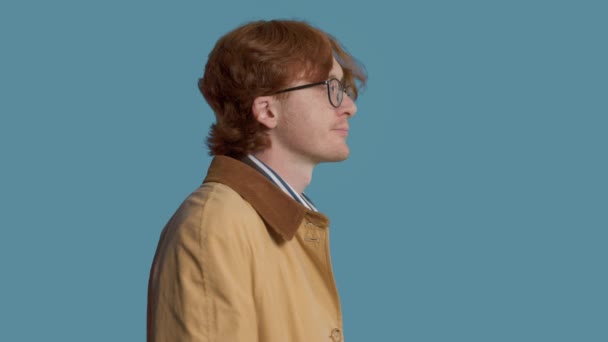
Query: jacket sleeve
200, 285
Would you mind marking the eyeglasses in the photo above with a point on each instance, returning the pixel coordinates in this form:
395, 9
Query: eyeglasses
335, 90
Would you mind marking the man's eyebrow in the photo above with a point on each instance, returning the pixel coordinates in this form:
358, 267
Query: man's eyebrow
331, 75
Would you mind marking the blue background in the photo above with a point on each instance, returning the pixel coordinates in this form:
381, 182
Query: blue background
473, 207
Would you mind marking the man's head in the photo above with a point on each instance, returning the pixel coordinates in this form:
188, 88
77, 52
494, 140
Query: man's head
251, 65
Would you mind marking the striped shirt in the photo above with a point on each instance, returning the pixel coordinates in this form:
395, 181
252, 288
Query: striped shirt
278, 181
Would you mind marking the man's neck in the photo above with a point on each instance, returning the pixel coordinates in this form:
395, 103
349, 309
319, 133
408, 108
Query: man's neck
294, 171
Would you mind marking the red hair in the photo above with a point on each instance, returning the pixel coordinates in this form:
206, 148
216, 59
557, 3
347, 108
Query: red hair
258, 59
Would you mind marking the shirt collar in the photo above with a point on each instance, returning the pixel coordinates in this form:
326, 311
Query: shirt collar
279, 210
274, 177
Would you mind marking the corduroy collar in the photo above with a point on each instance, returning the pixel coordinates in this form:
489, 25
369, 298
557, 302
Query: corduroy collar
280, 212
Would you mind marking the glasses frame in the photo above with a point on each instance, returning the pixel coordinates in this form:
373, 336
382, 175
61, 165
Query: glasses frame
341, 90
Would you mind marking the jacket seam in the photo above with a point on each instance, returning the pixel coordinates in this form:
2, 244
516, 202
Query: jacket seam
209, 299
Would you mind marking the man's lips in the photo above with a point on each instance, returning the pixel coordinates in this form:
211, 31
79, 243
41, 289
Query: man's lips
342, 130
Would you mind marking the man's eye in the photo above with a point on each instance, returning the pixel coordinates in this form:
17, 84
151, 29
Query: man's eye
349, 92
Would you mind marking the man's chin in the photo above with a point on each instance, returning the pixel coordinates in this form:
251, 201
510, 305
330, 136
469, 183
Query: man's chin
338, 156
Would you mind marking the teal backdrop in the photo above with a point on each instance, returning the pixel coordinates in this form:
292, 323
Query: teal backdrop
474, 206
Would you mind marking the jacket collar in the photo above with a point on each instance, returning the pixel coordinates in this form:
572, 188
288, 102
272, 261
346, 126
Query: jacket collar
280, 212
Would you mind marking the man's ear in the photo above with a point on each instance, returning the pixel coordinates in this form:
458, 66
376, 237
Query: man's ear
264, 110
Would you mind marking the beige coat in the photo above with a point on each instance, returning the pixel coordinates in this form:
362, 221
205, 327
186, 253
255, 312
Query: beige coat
242, 261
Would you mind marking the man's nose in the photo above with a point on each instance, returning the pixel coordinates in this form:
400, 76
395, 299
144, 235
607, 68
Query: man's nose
348, 106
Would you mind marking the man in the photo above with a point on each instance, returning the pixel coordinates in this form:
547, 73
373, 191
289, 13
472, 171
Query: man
246, 256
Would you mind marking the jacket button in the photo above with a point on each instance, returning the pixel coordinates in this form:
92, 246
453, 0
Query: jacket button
336, 335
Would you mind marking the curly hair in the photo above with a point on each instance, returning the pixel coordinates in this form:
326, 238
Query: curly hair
258, 59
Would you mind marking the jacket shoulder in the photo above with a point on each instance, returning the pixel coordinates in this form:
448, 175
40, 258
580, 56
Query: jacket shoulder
199, 262
214, 208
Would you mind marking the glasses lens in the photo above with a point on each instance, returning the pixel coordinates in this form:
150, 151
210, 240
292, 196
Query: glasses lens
335, 92
349, 92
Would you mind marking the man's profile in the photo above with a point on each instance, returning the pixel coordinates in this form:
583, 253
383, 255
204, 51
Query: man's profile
246, 256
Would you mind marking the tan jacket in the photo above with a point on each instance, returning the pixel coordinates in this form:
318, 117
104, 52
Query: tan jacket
242, 261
